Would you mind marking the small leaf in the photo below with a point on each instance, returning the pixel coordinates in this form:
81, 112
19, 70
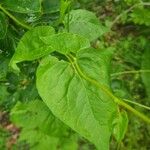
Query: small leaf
3, 25
74, 100
31, 46
121, 124
23, 6
84, 23
146, 75
41, 41
66, 42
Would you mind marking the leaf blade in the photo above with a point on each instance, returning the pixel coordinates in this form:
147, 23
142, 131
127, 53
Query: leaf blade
25, 6
84, 23
31, 46
121, 124
75, 101
66, 42
40, 128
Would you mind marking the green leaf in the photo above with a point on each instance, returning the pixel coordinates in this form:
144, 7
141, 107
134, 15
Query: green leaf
132, 2
121, 124
37, 140
51, 6
3, 94
3, 138
64, 6
66, 42
3, 67
42, 41
141, 16
40, 141
3, 25
31, 46
76, 101
23, 6
39, 127
35, 114
70, 144
84, 23
146, 66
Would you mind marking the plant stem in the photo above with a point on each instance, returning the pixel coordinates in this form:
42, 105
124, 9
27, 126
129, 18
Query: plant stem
130, 72
128, 10
64, 4
134, 111
107, 91
135, 103
118, 145
14, 18
68, 18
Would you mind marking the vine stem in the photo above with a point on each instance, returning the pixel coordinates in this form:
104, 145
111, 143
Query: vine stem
137, 104
14, 18
107, 91
128, 10
134, 111
130, 72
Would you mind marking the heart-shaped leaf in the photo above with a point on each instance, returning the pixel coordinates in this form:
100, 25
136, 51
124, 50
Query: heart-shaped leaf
31, 46
66, 42
41, 41
84, 23
74, 100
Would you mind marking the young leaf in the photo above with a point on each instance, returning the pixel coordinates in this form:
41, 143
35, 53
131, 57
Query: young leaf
66, 42
121, 124
39, 127
3, 25
64, 5
41, 41
23, 6
146, 66
84, 23
76, 101
31, 46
